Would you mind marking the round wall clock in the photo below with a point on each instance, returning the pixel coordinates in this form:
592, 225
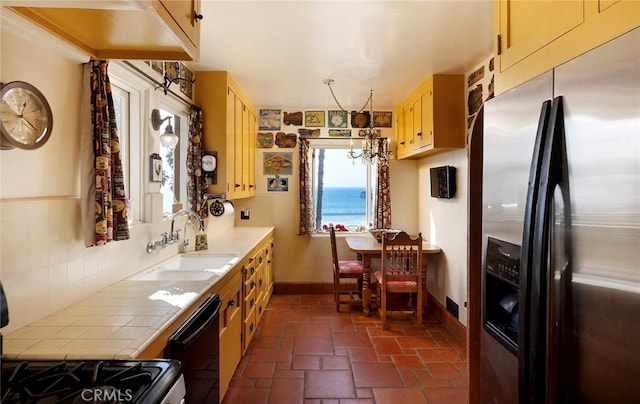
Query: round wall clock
25, 116
208, 163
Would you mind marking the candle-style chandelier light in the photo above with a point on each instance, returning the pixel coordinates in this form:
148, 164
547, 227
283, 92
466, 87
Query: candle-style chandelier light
375, 149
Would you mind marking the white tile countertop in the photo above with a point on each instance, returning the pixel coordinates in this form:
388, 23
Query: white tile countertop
121, 320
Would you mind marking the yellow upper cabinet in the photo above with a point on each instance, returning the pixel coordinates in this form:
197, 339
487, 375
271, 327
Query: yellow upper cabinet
229, 129
125, 29
532, 37
431, 120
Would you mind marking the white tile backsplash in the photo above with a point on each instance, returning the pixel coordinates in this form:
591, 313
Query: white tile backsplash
45, 266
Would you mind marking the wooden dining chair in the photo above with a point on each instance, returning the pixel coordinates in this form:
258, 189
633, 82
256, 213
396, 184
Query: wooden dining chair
344, 270
400, 273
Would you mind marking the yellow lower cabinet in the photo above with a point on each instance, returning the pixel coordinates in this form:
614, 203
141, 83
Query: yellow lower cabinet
231, 325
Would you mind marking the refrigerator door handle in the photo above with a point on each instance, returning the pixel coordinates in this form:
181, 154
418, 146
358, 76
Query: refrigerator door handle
533, 381
524, 325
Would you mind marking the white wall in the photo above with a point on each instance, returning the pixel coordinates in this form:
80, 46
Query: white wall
444, 223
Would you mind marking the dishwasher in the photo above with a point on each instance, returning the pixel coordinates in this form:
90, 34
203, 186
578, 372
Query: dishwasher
196, 345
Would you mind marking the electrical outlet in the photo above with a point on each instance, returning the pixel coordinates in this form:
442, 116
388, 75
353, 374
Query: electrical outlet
452, 307
245, 214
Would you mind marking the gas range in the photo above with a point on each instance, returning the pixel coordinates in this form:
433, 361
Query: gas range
112, 381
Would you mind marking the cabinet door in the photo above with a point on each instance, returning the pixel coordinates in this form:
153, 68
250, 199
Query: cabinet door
237, 147
183, 13
417, 122
230, 154
245, 151
252, 153
526, 26
407, 114
426, 140
269, 268
231, 325
401, 144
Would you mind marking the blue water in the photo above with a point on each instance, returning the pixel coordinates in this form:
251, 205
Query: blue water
344, 206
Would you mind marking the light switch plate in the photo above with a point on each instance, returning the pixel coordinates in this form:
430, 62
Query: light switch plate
245, 214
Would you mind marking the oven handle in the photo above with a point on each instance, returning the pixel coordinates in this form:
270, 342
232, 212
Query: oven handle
196, 323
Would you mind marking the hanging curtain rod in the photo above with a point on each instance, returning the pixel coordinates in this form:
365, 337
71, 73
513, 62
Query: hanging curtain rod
155, 82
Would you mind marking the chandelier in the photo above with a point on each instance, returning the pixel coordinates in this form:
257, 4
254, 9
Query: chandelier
375, 149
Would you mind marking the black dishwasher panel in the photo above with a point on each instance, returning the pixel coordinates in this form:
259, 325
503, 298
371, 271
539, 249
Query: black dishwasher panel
196, 345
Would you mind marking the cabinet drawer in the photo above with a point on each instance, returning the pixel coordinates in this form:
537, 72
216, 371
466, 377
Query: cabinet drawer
230, 295
250, 301
261, 306
250, 326
251, 284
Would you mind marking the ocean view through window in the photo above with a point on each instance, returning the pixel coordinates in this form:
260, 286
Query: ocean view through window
342, 191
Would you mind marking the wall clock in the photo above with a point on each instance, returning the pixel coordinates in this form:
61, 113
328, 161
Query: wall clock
25, 116
209, 163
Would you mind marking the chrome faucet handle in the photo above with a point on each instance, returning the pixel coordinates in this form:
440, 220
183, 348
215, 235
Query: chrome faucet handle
183, 246
151, 247
174, 237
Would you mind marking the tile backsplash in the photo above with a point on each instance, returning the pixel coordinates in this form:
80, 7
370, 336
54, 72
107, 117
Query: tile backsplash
44, 265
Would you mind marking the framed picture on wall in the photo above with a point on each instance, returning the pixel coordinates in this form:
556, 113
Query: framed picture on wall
314, 119
277, 184
155, 168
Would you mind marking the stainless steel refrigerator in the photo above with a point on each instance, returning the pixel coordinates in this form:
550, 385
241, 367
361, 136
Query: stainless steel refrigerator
561, 234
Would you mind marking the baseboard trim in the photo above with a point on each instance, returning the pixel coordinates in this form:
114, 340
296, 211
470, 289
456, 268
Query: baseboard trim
287, 288
455, 327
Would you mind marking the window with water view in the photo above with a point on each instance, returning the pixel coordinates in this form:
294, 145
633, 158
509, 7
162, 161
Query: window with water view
342, 191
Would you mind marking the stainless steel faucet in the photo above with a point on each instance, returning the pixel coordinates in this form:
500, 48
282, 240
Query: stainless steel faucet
174, 236
185, 212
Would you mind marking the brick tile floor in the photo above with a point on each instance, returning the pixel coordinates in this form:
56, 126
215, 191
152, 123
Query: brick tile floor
305, 353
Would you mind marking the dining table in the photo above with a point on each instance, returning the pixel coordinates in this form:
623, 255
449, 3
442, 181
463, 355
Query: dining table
369, 248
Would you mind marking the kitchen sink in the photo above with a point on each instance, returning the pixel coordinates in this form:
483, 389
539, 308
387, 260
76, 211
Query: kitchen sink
189, 267
198, 262
179, 275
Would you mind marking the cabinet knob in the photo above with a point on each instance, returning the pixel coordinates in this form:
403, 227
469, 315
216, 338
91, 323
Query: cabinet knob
237, 185
402, 143
260, 282
419, 134
253, 285
197, 17
231, 303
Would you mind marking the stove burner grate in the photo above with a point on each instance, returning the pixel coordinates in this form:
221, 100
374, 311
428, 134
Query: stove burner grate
78, 382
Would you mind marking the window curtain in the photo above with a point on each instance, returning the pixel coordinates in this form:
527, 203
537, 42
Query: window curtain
196, 183
305, 200
382, 219
103, 183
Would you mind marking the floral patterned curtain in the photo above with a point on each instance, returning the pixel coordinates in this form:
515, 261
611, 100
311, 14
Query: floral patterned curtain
382, 219
196, 183
111, 214
305, 209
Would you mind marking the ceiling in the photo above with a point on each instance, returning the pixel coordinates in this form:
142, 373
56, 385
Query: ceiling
281, 51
